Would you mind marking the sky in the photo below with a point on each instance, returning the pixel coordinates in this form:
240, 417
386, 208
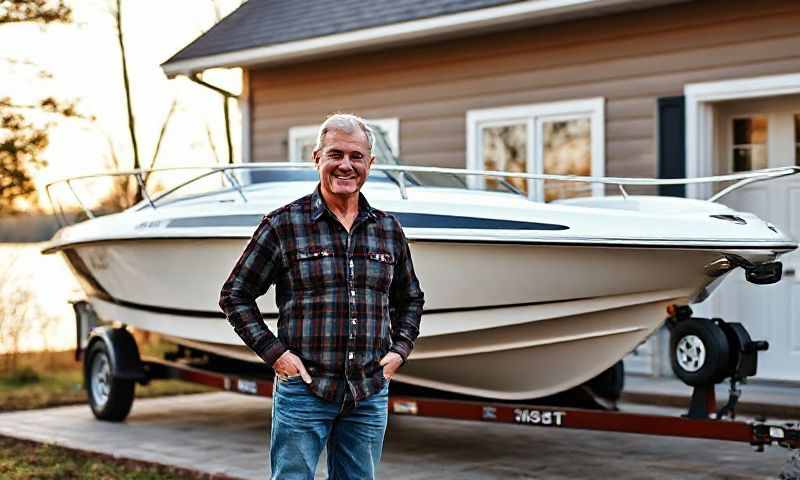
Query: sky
83, 58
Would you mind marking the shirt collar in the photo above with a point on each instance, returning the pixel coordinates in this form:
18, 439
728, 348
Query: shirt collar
318, 206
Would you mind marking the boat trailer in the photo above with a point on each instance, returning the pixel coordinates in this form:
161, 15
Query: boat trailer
756, 433
112, 378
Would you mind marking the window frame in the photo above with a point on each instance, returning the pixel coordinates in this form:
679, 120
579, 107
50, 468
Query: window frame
534, 115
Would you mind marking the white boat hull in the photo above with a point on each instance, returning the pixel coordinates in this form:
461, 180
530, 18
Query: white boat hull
187, 274
522, 361
558, 316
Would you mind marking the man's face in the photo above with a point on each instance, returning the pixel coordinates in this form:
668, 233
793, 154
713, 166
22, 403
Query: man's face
343, 162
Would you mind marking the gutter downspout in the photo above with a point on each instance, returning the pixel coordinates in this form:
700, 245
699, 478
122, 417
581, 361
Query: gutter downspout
226, 95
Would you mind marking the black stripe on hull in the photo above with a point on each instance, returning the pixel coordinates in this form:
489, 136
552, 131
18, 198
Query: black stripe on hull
407, 220
271, 316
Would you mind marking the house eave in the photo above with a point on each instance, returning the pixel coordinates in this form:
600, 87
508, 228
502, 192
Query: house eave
528, 12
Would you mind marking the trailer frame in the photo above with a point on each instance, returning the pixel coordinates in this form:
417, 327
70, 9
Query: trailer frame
756, 433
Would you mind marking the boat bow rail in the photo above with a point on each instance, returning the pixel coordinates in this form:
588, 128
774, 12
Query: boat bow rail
403, 175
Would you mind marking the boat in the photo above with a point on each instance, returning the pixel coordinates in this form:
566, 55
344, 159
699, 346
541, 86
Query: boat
523, 299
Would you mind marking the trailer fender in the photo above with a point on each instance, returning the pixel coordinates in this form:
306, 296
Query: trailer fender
122, 351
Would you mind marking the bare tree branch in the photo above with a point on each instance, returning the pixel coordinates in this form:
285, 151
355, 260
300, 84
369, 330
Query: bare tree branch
118, 199
171, 111
117, 11
211, 142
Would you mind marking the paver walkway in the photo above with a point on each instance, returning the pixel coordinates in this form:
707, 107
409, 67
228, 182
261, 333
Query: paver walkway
227, 433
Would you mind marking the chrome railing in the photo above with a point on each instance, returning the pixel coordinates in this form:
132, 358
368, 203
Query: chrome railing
403, 175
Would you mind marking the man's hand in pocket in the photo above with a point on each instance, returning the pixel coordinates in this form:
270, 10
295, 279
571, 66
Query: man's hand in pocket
290, 365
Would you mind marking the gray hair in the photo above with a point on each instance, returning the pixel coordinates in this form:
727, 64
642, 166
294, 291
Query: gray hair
347, 123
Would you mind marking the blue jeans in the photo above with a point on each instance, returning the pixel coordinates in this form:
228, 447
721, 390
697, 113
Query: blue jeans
302, 424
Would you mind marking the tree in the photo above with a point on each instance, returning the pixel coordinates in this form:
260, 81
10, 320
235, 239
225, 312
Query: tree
22, 140
116, 12
34, 11
21, 315
120, 193
21, 143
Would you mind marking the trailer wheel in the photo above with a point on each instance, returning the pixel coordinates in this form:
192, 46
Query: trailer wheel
699, 351
110, 397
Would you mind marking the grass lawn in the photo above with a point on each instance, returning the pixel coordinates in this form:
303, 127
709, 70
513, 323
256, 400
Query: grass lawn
23, 460
25, 390
51, 379
48, 379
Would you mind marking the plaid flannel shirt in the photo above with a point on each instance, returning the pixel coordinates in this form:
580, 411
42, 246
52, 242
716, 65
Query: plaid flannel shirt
344, 299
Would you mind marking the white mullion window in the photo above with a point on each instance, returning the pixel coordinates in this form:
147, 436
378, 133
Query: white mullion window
748, 150
506, 147
555, 138
303, 139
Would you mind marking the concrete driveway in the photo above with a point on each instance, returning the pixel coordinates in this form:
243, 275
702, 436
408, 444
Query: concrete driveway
226, 433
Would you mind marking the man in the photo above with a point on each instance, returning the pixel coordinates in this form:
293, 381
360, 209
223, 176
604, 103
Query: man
349, 310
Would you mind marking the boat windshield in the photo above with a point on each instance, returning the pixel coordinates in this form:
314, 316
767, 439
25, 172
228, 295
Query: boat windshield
305, 175
384, 155
416, 179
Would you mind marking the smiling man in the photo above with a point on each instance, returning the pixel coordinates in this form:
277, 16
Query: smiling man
349, 308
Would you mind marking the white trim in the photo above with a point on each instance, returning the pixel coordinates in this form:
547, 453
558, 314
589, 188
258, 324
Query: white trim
533, 115
700, 117
392, 128
296, 133
555, 10
390, 125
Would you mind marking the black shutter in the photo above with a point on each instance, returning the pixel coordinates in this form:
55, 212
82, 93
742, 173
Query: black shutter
672, 143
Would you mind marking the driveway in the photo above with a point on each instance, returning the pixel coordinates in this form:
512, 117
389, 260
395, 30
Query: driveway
227, 433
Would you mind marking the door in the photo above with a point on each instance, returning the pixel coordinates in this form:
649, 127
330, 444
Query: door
754, 134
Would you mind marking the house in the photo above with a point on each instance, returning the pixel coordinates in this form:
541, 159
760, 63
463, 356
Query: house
602, 87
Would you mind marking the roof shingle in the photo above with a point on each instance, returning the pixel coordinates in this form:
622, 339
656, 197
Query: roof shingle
260, 23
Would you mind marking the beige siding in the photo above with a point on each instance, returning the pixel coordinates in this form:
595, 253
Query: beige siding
629, 59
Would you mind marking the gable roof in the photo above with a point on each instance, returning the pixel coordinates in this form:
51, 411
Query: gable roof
267, 31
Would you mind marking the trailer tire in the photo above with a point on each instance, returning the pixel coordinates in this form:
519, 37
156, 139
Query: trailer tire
110, 397
699, 352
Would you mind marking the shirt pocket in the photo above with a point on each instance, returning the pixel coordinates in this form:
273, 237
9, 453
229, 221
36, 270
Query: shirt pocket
376, 270
315, 268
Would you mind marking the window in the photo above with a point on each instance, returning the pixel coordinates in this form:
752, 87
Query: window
505, 148
302, 140
750, 143
567, 150
563, 138
797, 139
